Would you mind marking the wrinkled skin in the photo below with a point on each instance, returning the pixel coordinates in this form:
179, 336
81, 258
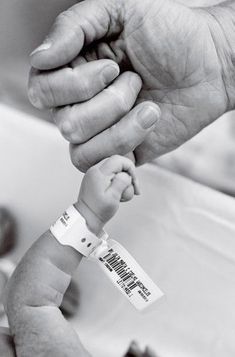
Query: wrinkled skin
174, 50
180, 71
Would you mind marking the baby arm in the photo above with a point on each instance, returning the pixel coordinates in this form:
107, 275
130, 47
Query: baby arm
37, 287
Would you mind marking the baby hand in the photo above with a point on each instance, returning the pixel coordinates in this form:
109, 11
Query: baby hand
103, 188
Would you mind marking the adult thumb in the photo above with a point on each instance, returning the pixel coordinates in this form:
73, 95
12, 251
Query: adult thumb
73, 29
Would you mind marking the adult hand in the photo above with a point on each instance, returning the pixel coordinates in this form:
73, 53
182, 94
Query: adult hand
182, 55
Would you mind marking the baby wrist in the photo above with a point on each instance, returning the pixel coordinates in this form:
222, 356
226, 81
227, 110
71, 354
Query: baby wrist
93, 222
71, 230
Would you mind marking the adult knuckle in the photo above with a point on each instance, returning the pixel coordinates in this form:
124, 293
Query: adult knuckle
65, 133
72, 124
83, 128
119, 98
62, 119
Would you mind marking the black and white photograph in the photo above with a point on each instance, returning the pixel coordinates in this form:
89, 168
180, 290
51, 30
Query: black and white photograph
117, 178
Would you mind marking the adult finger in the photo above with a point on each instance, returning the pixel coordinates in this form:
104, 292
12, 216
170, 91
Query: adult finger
80, 122
120, 183
68, 85
116, 164
121, 138
81, 24
128, 194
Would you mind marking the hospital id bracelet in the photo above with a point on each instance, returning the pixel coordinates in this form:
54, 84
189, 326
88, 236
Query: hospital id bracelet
115, 261
71, 230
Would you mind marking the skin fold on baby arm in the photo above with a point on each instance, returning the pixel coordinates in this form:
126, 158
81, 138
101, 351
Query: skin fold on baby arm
36, 289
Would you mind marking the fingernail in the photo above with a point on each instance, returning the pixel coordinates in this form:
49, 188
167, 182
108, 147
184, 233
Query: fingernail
148, 115
110, 73
43, 47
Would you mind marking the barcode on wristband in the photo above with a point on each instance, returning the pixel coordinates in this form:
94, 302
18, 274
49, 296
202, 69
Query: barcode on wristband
128, 276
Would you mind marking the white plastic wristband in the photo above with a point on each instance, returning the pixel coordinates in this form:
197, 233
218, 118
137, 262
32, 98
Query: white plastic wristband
115, 261
71, 229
